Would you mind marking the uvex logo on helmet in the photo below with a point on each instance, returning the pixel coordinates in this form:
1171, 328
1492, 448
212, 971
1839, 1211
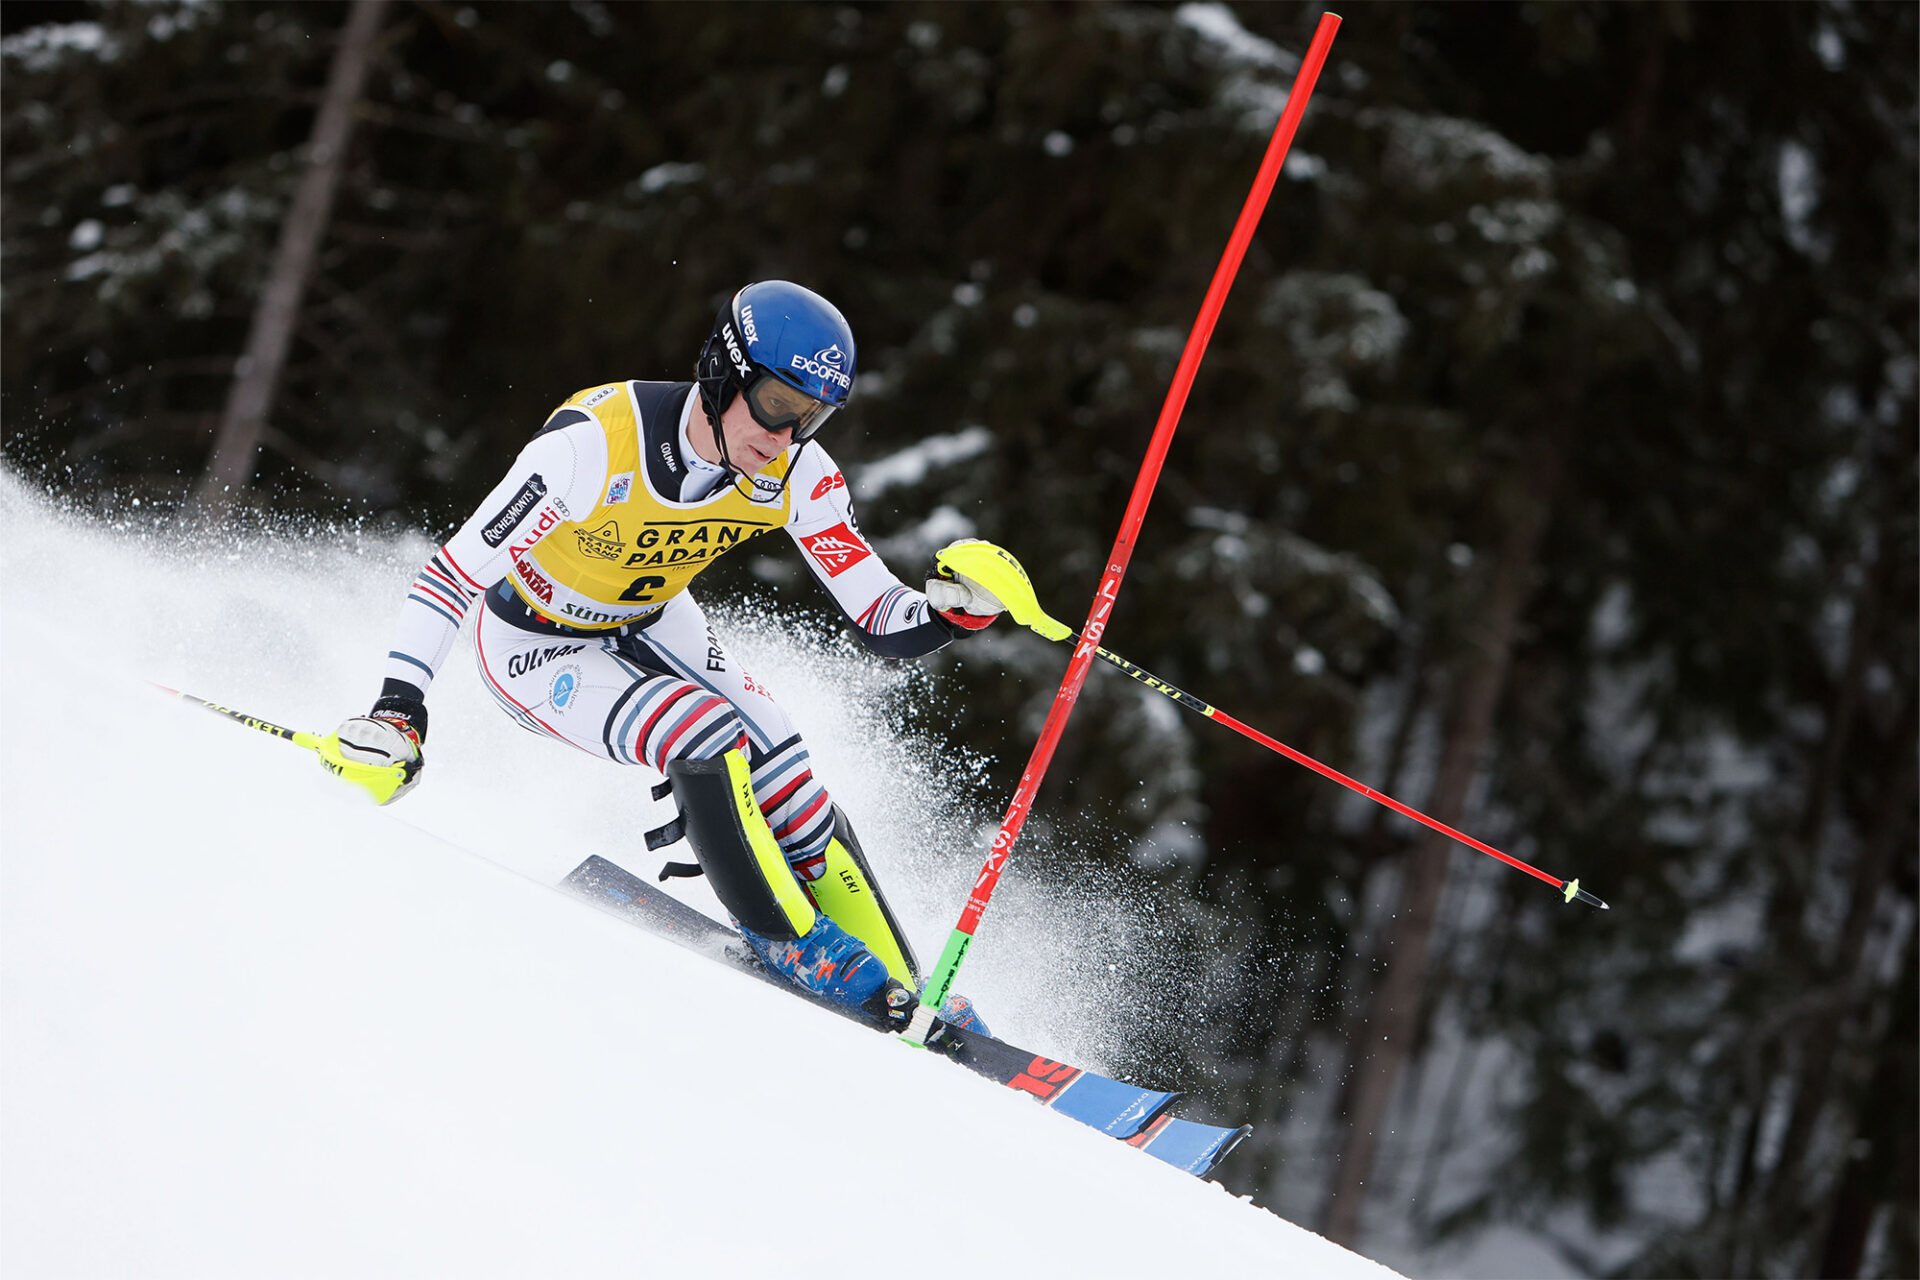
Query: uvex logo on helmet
826, 365
734, 353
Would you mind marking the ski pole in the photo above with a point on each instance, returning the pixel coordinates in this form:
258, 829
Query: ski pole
381, 781
941, 980
1001, 574
299, 739
1570, 888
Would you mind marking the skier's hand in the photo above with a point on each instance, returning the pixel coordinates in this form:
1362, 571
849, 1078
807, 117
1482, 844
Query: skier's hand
993, 580
380, 751
961, 600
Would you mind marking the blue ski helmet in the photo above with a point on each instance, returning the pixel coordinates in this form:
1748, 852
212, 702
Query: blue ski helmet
787, 349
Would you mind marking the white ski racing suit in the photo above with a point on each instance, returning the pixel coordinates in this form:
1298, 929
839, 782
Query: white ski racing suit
579, 561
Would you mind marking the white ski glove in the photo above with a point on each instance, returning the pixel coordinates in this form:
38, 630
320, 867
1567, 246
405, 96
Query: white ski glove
380, 751
962, 601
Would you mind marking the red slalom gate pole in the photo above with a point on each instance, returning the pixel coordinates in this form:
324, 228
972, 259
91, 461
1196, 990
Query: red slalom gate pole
941, 980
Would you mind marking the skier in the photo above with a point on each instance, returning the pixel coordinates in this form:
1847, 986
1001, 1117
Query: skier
580, 560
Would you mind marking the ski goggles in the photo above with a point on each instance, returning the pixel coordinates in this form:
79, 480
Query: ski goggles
777, 406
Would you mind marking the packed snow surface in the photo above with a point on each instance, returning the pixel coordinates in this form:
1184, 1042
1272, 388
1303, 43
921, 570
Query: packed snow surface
252, 1026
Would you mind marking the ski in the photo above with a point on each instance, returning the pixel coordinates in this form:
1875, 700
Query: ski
1133, 1115
1185, 1144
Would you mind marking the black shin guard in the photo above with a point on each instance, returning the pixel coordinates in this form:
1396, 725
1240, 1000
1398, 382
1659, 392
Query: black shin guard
730, 838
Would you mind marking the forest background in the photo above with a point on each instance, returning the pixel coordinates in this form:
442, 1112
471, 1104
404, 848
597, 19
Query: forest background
1553, 468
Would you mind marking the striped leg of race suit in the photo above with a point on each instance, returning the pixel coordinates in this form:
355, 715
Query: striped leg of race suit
662, 718
640, 701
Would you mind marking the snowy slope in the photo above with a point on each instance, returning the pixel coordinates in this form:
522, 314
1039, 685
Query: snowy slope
250, 1026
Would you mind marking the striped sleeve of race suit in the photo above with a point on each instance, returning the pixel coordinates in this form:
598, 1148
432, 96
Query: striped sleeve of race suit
559, 471
886, 608
437, 603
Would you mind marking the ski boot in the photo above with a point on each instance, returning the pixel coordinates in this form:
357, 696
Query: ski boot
837, 967
825, 928
958, 1011
832, 964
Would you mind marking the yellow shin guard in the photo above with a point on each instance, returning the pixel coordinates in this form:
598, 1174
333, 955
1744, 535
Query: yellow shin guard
848, 896
750, 875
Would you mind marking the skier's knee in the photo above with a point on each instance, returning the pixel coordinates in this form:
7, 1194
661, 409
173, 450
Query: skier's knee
736, 849
690, 723
796, 806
